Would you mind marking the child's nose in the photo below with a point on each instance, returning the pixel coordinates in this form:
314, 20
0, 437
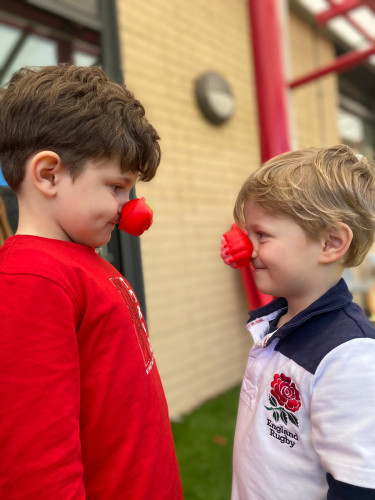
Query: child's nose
123, 198
255, 249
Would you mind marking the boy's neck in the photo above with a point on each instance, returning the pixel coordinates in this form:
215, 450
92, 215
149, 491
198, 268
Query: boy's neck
32, 221
317, 289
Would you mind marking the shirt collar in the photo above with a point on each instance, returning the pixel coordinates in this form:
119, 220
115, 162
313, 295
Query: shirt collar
258, 325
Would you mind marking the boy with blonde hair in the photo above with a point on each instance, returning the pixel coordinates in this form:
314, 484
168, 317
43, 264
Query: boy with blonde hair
305, 426
83, 412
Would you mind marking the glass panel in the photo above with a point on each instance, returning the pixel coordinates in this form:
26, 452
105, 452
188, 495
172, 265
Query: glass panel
351, 129
36, 51
346, 31
358, 133
83, 59
9, 36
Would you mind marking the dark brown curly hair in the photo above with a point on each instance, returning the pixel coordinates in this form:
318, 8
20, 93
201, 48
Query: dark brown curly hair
77, 113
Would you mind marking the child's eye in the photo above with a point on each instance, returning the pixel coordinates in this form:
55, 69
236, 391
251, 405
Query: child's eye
116, 188
261, 235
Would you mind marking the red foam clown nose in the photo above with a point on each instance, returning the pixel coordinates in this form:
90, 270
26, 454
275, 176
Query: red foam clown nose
136, 217
236, 248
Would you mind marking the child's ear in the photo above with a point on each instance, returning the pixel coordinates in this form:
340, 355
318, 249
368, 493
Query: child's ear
335, 243
44, 166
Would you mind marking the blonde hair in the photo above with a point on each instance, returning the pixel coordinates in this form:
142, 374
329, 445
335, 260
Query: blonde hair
318, 188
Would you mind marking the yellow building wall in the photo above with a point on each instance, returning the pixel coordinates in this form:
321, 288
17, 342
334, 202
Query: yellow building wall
195, 304
196, 307
314, 104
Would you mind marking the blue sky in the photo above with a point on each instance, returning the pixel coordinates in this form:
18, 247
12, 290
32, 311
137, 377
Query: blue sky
2, 181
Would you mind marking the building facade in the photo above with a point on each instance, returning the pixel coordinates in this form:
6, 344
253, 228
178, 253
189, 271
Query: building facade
196, 307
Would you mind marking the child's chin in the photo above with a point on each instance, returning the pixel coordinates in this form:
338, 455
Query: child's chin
94, 242
99, 244
264, 289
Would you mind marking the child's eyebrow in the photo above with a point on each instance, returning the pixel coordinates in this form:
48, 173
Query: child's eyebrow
254, 226
124, 178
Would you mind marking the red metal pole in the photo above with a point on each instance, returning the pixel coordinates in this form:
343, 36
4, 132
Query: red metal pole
341, 63
272, 103
269, 75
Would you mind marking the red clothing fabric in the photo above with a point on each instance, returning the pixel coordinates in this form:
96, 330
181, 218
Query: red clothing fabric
82, 409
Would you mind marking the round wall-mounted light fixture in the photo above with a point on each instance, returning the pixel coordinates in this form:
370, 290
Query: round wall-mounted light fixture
214, 96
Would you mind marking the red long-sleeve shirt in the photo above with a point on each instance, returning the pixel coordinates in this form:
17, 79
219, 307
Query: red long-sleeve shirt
82, 408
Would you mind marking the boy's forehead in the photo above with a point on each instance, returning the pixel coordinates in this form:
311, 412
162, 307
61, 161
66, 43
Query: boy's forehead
110, 169
111, 162
251, 206
113, 165
255, 212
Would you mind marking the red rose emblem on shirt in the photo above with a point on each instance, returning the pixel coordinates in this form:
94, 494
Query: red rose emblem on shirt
285, 392
284, 399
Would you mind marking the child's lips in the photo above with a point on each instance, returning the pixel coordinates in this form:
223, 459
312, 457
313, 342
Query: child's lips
259, 268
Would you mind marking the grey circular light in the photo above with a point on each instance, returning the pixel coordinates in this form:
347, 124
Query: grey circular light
214, 96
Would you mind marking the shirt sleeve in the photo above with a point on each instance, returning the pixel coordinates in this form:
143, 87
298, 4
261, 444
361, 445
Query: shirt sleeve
338, 490
342, 413
39, 392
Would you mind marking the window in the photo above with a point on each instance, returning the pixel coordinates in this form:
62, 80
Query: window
356, 126
31, 36
357, 130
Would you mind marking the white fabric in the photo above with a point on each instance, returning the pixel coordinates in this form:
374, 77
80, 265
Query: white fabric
336, 428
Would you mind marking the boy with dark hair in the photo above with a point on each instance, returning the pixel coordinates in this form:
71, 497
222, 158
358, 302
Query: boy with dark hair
305, 426
83, 412
5, 229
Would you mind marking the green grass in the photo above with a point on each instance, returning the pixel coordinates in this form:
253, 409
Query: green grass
204, 444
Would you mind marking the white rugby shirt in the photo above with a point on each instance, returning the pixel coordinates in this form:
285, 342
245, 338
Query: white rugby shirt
307, 404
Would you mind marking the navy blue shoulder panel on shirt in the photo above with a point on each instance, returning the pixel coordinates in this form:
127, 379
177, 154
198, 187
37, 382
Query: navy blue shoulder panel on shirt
343, 491
308, 343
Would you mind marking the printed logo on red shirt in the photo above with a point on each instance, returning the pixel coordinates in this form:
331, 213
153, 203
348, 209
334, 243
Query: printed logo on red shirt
138, 320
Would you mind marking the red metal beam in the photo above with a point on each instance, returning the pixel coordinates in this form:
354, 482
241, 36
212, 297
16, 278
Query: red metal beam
369, 3
342, 63
337, 10
344, 9
270, 80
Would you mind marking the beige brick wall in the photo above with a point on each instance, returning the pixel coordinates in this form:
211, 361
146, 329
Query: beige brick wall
314, 103
195, 304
